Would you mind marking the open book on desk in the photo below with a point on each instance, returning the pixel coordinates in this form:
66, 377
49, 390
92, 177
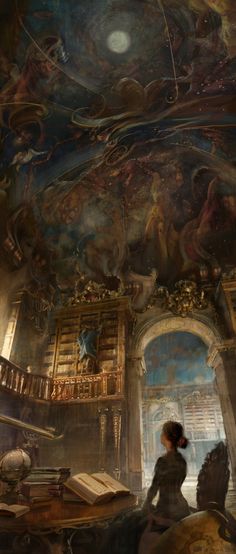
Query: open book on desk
115, 486
96, 488
14, 510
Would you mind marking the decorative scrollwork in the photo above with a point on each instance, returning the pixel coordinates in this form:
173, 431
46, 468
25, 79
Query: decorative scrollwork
185, 298
92, 292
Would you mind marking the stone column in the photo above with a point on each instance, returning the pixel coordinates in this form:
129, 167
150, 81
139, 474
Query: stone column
134, 411
103, 414
222, 357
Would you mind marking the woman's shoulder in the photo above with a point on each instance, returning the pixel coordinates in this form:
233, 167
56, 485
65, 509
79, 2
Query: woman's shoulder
166, 458
161, 462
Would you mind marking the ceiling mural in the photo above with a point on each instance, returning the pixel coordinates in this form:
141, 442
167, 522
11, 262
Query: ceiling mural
117, 142
177, 358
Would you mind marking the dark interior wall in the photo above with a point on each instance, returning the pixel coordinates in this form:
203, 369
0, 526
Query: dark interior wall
26, 351
79, 447
8, 435
79, 450
29, 412
30, 341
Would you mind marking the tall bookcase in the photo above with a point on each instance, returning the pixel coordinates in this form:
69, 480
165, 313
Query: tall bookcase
96, 397
62, 360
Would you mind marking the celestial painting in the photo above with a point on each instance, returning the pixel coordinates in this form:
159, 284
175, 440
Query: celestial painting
117, 145
177, 358
118, 178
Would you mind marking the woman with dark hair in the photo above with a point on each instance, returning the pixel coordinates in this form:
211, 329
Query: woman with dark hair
139, 532
169, 474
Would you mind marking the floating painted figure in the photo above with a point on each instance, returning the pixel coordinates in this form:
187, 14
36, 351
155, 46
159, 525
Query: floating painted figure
87, 341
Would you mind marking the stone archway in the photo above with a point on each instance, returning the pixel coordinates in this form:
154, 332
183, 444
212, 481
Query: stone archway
202, 327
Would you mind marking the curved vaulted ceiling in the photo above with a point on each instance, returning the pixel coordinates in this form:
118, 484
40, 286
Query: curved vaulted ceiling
117, 152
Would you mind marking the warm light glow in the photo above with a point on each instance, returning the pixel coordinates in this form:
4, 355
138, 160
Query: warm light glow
118, 42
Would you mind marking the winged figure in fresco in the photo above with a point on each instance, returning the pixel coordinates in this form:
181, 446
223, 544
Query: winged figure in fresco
25, 157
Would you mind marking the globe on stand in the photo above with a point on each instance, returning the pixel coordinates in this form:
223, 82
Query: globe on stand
15, 465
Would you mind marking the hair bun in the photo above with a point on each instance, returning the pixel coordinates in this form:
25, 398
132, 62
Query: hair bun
183, 442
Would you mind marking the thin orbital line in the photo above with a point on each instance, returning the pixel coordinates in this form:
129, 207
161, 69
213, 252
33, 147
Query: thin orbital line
171, 49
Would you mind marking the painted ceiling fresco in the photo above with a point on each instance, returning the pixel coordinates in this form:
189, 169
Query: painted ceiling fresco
177, 359
117, 144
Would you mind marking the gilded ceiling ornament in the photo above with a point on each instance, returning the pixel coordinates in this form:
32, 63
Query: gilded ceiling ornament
92, 292
185, 298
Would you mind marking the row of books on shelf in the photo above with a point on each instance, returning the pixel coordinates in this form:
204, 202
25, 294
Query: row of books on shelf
39, 489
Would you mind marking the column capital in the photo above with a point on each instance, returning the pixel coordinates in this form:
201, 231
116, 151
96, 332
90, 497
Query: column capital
217, 349
116, 409
103, 410
138, 363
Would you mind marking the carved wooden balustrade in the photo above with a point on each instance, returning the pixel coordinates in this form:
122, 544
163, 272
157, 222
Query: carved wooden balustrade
18, 381
80, 387
87, 387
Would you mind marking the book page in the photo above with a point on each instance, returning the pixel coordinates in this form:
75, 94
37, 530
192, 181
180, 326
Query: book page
110, 482
89, 483
99, 488
88, 488
18, 509
13, 510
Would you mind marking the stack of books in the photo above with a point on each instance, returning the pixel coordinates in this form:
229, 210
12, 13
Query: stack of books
43, 483
52, 475
92, 489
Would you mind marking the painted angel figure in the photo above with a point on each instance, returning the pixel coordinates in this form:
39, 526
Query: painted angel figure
87, 341
26, 156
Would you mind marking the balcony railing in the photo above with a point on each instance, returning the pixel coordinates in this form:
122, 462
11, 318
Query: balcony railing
85, 387
77, 388
15, 379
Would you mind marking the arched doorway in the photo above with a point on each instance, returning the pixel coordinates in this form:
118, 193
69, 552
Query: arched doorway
179, 385
148, 329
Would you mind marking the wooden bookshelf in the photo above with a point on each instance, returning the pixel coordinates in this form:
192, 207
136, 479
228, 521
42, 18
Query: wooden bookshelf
61, 359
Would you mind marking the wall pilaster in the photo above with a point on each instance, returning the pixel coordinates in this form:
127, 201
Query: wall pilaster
222, 357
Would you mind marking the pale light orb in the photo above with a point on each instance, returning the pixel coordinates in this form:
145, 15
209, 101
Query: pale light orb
118, 42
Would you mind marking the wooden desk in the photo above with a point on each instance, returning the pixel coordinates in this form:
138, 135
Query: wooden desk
61, 527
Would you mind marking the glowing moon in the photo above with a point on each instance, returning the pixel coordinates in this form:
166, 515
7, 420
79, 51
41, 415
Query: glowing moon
118, 42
